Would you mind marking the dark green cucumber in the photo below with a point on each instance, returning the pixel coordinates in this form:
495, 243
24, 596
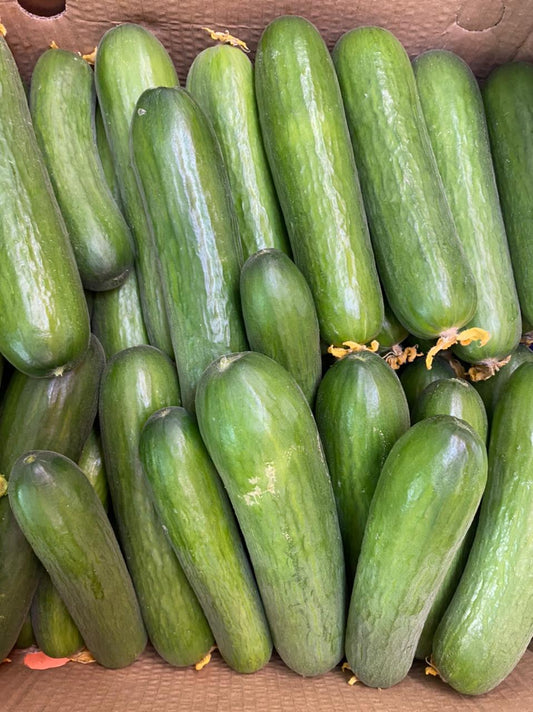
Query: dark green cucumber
508, 100
26, 637
91, 463
55, 632
137, 382
62, 104
308, 148
38, 413
361, 411
415, 376
197, 515
67, 527
106, 157
221, 79
489, 622
280, 316
262, 438
453, 110
44, 322
424, 502
424, 273
453, 396
186, 192
117, 318
129, 60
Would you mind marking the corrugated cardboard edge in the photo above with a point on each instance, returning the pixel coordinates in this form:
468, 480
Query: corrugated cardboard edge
484, 32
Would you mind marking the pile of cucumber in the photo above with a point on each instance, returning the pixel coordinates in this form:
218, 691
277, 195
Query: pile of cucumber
206, 295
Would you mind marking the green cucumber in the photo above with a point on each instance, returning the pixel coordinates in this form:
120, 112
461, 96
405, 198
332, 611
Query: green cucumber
55, 632
261, 435
62, 104
186, 192
91, 463
66, 525
130, 59
424, 273
415, 376
38, 413
44, 322
361, 411
508, 100
453, 111
26, 638
280, 316
221, 79
117, 318
137, 382
489, 622
308, 148
197, 515
106, 157
425, 500
392, 333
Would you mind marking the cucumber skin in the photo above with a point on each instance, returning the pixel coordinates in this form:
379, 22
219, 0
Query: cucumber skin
44, 322
62, 105
55, 632
316, 178
508, 101
66, 525
269, 456
360, 411
454, 114
106, 157
221, 80
201, 526
280, 316
420, 261
91, 463
185, 187
38, 413
137, 382
130, 59
415, 377
392, 332
489, 622
426, 498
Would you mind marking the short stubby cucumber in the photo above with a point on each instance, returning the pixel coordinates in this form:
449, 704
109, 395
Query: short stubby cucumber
425, 501
308, 147
262, 438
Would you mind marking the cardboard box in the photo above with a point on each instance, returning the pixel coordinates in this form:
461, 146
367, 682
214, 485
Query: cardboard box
485, 33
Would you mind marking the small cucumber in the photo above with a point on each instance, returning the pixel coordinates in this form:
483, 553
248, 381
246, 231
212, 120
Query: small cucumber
55, 632
415, 376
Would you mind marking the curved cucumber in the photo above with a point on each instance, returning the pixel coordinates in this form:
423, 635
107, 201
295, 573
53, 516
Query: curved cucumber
489, 622
67, 527
361, 411
44, 322
424, 273
129, 60
261, 436
453, 110
62, 104
187, 197
280, 316
196, 513
425, 500
221, 80
308, 148
136, 383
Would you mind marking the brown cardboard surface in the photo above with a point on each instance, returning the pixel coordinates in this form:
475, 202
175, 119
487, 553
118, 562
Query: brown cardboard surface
150, 684
483, 32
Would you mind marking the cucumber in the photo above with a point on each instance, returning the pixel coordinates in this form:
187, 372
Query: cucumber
91, 463
117, 318
392, 332
196, 513
66, 525
186, 192
26, 638
106, 158
130, 59
421, 263
38, 413
221, 80
508, 100
453, 110
361, 411
308, 147
280, 316
137, 382
261, 435
55, 632
425, 500
62, 104
489, 622
414, 377
44, 322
